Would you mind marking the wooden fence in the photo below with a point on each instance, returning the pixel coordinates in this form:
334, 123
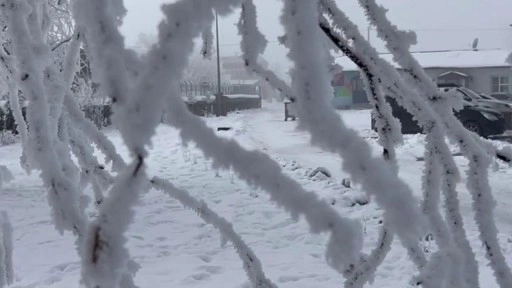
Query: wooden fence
100, 114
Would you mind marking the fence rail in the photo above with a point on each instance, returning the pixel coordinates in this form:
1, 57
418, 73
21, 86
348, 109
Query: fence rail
192, 90
101, 114
228, 104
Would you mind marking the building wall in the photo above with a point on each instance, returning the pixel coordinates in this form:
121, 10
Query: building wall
235, 67
479, 80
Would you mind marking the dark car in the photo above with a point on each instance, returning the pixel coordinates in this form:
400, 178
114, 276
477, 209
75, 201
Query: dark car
482, 120
502, 97
485, 101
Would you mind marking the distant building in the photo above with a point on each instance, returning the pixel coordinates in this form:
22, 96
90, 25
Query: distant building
234, 66
242, 80
483, 71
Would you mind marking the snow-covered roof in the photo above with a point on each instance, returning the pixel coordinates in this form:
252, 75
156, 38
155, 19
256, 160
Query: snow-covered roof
446, 59
242, 96
244, 82
453, 72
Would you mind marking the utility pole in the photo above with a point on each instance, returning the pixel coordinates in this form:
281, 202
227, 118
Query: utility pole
368, 36
218, 97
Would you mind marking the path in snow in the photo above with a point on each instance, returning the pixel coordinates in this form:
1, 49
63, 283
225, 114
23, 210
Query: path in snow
175, 249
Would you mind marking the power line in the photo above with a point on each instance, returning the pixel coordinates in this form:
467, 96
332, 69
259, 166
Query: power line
506, 29
455, 29
433, 51
238, 44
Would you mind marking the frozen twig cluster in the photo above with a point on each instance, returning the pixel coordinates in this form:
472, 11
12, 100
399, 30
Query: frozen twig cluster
6, 251
6, 237
398, 43
143, 90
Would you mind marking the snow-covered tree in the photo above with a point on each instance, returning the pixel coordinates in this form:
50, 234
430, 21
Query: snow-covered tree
60, 141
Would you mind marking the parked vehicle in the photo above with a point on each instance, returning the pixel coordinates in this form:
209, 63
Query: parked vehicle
499, 96
482, 120
471, 96
483, 100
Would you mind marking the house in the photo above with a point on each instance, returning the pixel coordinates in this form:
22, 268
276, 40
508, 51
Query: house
235, 67
243, 81
483, 71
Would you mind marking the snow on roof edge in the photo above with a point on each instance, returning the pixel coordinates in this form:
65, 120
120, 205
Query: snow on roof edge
446, 59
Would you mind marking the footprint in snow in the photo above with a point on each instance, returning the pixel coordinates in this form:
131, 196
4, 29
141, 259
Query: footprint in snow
65, 267
161, 238
211, 269
294, 278
137, 237
202, 276
163, 253
205, 258
205, 274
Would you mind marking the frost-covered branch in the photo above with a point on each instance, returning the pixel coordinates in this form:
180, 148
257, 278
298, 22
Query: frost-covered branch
250, 56
6, 250
49, 142
14, 102
388, 127
109, 58
181, 28
252, 264
342, 129
96, 174
100, 179
312, 87
431, 183
12, 78
76, 115
345, 235
105, 256
207, 48
63, 194
140, 90
58, 86
137, 114
398, 42
61, 43
253, 44
363, 272
427, 119
6, 237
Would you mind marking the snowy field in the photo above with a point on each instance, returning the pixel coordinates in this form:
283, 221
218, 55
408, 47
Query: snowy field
175, 248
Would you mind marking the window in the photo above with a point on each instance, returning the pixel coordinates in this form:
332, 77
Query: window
500, 84
357, 84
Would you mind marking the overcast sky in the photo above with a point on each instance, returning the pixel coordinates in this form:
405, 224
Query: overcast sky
439, 24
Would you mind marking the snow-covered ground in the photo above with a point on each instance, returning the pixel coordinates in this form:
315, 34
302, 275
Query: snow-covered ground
176, 249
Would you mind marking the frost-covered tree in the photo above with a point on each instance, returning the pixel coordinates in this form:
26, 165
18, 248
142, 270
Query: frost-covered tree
142, 88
